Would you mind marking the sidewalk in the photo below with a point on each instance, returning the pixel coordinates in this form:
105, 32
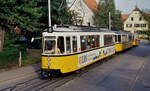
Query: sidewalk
18, 73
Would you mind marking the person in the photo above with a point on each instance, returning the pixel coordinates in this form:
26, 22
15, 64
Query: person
54, 50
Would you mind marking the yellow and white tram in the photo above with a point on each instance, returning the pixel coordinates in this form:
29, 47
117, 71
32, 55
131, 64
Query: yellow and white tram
70, 49
123, 41
135, 40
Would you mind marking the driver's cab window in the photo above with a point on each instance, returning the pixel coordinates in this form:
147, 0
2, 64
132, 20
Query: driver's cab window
50, 46
54, 45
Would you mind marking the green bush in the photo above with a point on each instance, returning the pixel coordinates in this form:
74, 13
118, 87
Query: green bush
10, 53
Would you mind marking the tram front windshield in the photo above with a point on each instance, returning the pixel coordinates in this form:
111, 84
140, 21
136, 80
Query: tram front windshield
50, 47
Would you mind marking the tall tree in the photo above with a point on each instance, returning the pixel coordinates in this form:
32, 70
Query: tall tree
101, 16
32, 14
22, 13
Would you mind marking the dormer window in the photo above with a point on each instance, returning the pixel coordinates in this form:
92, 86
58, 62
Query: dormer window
132, 19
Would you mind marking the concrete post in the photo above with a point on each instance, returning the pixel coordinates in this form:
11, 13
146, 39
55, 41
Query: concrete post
1, 39
20, 58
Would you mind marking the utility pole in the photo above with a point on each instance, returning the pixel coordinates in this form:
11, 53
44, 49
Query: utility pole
109, 21
49, 13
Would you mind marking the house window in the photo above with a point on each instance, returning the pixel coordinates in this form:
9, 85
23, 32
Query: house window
132, 19
136, 25
129, 25
143, 25
140, 19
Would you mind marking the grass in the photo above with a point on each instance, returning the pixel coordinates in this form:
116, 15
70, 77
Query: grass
9, 60
30, 61
33, 56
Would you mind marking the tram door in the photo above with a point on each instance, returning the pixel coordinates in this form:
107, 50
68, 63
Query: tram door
68, 45
60, 44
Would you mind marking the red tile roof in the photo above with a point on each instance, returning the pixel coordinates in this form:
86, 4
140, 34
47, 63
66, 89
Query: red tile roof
92, 4
125, 16
148, 15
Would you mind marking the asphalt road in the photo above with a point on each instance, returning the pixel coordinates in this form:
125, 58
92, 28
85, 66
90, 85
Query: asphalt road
127, 71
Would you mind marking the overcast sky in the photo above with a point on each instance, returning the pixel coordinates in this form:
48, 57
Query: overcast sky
126, 6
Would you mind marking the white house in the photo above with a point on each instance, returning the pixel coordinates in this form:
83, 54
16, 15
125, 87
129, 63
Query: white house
135, 21
83, 12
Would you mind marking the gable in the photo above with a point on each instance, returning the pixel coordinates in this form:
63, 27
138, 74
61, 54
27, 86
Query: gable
136, 15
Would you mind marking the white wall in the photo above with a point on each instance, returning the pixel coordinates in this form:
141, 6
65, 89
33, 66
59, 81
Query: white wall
84, 12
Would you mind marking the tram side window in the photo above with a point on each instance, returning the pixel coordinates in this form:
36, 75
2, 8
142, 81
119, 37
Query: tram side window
60, 44
119, 38
124, 38
68, 44
88, 39
97, 40
93, 42
74, 43
130, 38
133, 37
108, 39
116, 38
83, 43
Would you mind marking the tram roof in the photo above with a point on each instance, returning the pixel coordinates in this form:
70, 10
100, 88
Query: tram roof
121, 32
80, 29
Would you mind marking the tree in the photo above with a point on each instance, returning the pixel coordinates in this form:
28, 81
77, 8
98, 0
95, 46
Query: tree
22, 13
59, 12
101, 16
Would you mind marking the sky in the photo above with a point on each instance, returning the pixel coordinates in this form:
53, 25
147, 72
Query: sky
126, 6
